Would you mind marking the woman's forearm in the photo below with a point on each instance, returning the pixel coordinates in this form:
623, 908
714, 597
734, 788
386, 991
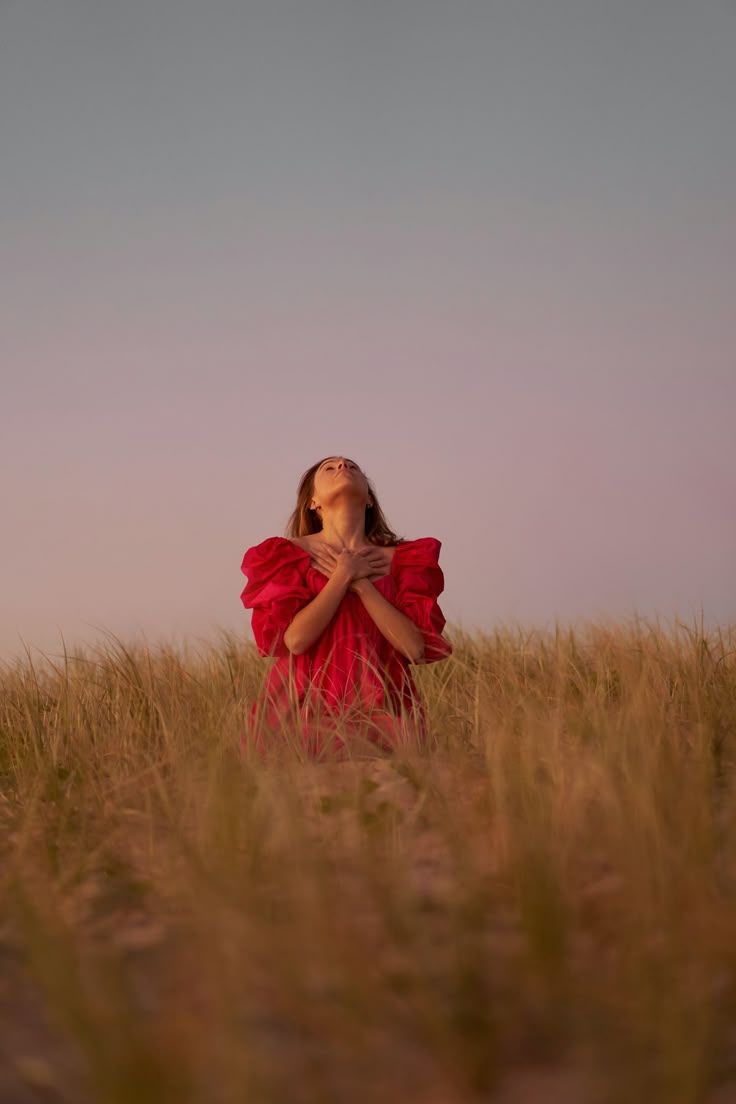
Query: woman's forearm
398, 629
311, 621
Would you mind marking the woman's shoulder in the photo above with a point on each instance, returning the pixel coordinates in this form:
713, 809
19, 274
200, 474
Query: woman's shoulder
272, 553
304, 543
420, 550
416, 569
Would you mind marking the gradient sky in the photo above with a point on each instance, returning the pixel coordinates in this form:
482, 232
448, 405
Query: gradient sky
486, 249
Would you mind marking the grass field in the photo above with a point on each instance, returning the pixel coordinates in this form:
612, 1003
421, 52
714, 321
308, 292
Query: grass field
539, 907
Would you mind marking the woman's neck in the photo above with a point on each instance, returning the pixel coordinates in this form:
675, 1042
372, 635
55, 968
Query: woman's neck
344, 528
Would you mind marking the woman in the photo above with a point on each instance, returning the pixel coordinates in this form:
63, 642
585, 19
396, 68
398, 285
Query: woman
345, 606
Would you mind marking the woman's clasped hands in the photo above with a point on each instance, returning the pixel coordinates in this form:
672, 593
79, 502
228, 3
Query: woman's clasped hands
350, 564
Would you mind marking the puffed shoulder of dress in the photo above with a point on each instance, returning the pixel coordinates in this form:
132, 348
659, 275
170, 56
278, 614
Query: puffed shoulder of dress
422, 552
273, 569
419, 582
276, 590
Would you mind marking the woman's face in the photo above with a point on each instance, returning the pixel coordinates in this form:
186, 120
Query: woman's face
335, 477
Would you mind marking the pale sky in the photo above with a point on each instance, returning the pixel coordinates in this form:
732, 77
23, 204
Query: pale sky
486, 249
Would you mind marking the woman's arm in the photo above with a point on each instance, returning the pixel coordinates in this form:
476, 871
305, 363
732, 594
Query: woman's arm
350, 572
398, 629
312, 620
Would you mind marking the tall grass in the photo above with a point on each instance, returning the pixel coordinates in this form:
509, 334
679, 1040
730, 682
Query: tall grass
541, 905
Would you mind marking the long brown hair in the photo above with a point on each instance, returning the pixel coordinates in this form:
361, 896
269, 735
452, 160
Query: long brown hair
305, 521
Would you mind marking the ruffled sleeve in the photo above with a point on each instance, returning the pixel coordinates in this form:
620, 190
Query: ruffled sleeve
419, 582
276, 590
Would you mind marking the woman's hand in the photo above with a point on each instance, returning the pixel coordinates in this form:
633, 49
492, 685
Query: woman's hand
378, 560
368, 563
323, 557
351, 566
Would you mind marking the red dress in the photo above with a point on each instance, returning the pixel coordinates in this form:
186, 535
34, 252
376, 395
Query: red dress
351, 680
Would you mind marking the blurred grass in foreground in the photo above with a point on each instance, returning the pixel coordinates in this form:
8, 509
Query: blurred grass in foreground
539, 907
